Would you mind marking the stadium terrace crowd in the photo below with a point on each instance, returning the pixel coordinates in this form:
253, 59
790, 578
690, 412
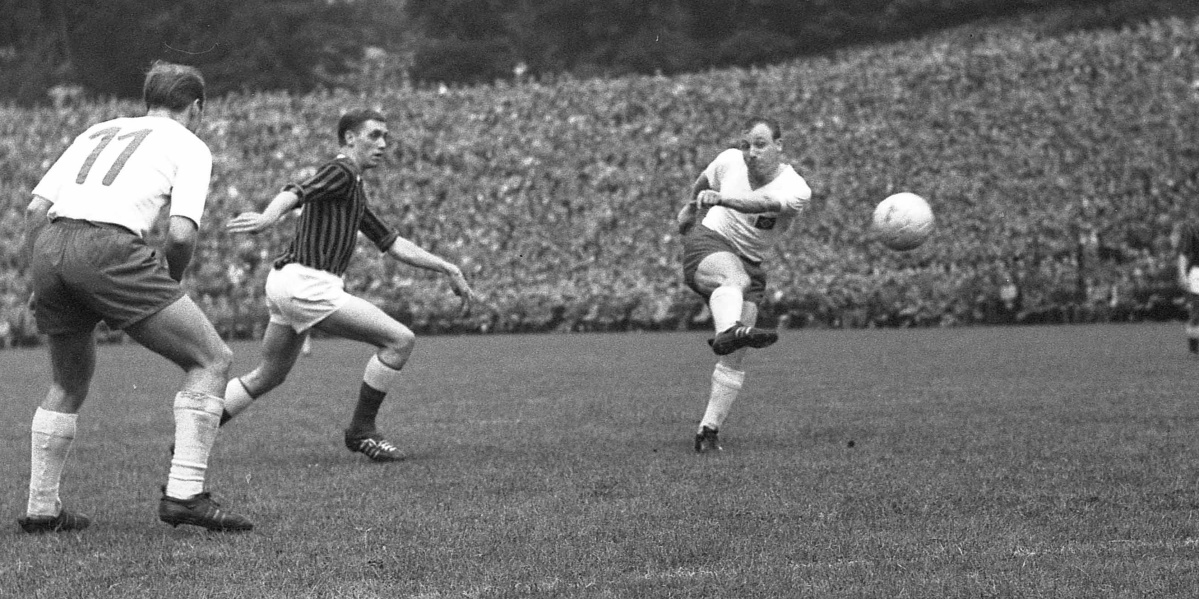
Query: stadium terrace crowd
1056, 168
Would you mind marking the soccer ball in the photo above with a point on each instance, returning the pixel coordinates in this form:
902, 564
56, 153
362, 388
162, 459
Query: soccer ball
903, 221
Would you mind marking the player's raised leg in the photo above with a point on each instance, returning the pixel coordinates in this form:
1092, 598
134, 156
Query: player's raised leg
361, 320
724, 274
181, 333
52, 432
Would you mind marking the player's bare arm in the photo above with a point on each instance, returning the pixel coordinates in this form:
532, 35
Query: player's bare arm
750, 203
182, 233
35, 221
256, 222
690, 213
1184, 267
409, 253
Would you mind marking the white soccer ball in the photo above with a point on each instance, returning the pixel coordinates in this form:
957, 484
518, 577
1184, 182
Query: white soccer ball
903, 221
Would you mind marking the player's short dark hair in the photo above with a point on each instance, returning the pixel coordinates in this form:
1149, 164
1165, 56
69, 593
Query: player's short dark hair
351, 120
776, 130
172, 86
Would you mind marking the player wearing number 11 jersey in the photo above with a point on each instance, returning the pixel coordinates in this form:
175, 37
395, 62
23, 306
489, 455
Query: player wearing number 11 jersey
89, 262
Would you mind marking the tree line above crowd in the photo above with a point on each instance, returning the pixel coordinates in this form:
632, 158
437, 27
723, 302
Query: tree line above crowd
102, 47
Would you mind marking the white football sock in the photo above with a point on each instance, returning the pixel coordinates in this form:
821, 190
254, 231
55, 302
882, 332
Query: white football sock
197, 416
237, 397
51, 435
726, 304
378, 375
726, 384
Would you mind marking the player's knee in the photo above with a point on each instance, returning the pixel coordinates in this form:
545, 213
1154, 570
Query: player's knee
403, 341
400, 343
218, 360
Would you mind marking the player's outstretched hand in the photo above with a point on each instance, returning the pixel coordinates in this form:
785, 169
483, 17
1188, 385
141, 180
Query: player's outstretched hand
248, 222
462, 289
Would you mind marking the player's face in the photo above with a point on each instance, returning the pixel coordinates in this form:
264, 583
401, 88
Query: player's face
762, 152
367, 143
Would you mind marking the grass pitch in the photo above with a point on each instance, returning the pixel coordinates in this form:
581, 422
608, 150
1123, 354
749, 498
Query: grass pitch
979, 462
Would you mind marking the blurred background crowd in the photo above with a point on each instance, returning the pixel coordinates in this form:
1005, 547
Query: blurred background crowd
1056, 166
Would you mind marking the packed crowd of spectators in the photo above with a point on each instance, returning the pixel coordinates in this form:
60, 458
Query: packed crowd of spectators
1056, 168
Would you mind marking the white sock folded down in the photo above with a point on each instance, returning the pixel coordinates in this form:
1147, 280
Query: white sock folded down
237, 397
378, 375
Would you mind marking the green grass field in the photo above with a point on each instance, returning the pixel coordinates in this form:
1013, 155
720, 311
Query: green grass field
978, 462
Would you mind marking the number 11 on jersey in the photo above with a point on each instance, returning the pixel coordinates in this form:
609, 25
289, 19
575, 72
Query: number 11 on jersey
106, 136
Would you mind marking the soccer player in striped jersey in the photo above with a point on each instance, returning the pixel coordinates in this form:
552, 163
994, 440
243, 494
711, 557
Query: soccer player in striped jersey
744, 201
1187, 241
89, 261
305, 289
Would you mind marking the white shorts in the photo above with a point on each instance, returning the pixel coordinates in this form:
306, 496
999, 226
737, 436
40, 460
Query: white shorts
299, 297
1193, 280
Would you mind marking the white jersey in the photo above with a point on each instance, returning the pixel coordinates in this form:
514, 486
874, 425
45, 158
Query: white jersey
125, 170
753, 234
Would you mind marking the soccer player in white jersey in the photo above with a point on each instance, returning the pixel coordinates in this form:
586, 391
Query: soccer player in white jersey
745, 200
84, 237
